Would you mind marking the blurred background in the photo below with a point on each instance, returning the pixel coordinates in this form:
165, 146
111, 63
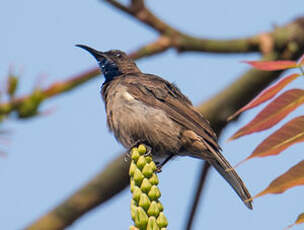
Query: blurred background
50, 156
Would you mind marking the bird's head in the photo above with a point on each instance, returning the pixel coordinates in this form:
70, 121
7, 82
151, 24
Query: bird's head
112, 63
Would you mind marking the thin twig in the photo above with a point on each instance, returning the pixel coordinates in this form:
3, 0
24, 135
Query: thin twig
73, 82
198, 193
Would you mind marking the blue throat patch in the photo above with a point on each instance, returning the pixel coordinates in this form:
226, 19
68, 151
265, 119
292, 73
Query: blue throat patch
109, 69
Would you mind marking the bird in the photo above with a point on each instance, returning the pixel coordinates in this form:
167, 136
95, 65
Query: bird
145, 108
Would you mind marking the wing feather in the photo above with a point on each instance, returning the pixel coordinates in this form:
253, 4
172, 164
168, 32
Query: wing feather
158, 93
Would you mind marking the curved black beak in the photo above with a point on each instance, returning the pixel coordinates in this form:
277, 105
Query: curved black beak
97, 54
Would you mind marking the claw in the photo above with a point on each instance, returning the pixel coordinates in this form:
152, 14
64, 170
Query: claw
158, 168
127, 156
149, 151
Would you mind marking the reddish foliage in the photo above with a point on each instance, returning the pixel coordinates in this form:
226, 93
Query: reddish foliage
272, 65
267, 94
273, 112
293, 177
289, 134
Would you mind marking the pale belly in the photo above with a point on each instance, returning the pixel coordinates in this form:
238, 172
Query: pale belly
133, 121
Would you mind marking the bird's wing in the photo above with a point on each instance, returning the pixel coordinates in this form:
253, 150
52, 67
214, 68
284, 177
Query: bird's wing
158, 93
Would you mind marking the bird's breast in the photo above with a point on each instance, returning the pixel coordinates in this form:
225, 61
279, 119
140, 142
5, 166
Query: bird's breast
131, 120
128, 97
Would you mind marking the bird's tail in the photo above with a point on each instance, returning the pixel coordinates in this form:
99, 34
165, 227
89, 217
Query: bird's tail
218, 161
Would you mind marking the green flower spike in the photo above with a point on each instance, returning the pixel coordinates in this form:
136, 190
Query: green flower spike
146, 209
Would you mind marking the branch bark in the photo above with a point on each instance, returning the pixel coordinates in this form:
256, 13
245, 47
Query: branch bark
183, 42
287, 42
38, 96
198, 194
112, 180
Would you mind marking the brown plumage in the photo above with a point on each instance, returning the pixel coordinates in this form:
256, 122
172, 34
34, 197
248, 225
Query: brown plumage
146, 108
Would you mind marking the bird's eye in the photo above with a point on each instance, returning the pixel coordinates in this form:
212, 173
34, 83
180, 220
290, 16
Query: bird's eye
118, 55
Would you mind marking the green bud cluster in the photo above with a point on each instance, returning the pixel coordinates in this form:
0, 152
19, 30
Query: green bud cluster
29, 107
146, 210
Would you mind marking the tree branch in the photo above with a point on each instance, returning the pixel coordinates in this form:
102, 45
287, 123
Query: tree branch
286, 40
216, 109
183, 42
22, 105
200, 186
159, 46
112, 180
287, 43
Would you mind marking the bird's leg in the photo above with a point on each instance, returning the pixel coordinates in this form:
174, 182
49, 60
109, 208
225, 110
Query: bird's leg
149, 151
127, 155
149, 154
160, 165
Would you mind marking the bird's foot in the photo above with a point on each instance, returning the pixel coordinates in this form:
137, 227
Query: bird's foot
127, 157
148, 151
158, 167
149, 154
136, 144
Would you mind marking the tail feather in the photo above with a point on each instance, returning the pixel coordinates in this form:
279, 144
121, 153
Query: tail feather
233, 179
218, 161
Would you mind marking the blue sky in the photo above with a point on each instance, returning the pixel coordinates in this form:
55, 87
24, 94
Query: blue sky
51, 156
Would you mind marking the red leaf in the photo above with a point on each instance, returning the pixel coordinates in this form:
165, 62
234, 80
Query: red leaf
267, 94
299, 220
293, 177
273, 112
272, 65
289, 134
